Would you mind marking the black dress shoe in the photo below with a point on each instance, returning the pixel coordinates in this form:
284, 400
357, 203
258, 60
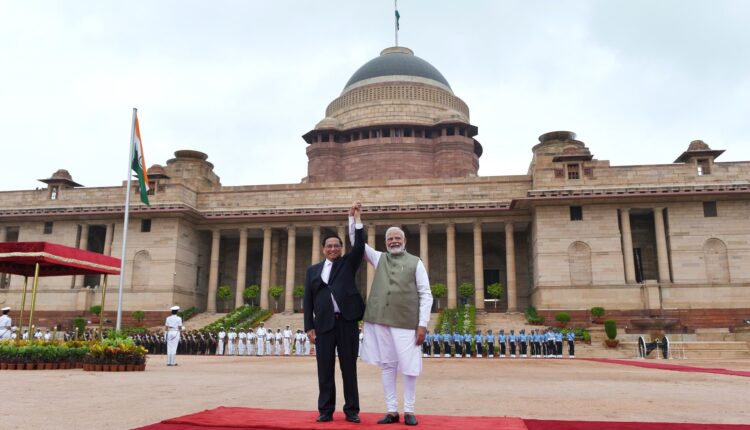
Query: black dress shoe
324, 418
389, 419
353, 418
410, 420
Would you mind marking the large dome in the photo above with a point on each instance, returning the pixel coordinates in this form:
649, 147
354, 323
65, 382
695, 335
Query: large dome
397, 61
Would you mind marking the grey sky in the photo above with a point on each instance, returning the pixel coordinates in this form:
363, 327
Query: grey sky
243, 80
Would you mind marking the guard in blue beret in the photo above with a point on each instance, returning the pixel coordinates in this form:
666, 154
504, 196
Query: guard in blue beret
479, 343
571, 344
490, 344
512, 343
467, 344
501, 343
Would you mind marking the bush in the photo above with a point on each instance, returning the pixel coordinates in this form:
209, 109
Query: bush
96, 310
597, 311
610, 327
532, 316
495, 291
187, 313
80, 324
223, 292
251, 293
139, 316
562, 317
438, 291
466, 290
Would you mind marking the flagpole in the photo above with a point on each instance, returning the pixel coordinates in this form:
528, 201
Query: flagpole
125, 223
395, 20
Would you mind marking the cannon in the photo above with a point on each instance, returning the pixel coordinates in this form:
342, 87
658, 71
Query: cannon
645, 348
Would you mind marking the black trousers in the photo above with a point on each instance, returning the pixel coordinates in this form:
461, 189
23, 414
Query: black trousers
512, 348
479, 349
571, 347
467, 348
446, 348
436, 347
345, 338
491, 348
558, 347
502, 348
523, 348
458, 348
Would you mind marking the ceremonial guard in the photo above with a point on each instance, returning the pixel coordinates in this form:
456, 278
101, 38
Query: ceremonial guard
490, 344
447, 341
297, 343
467, 344
38, 334
5, 324
571, 344
251, 340
458, 341
242, 342
260, 340
501, 343
287, 336
558, 343
478, 343
550, 337
173, 326
436, 337
222, 338
512, 343
278, 339
427, 344
361, 338
522, 341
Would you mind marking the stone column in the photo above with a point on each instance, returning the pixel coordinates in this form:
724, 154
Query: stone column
213, 271
3, 233
627, 246
372, 231
265, 271
108, 239
315, 245
241, 269
510, 264
661, 246
450, 281
275, 251
478, 267
424, 250
290, 262
343, 232
83, 244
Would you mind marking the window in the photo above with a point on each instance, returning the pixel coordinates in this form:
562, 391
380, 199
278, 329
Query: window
576, 213
704, 167
450, 131
151, 188
559, 173
145, 225
48, 227
53, 190
709, 209
386, 132
573, 171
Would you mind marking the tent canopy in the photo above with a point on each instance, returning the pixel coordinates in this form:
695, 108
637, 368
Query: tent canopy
20, 258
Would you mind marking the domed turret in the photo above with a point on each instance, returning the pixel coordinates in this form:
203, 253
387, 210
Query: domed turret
396, 118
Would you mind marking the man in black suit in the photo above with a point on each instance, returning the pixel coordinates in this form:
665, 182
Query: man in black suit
333, 307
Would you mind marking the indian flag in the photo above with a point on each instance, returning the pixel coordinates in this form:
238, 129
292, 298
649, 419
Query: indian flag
139, 163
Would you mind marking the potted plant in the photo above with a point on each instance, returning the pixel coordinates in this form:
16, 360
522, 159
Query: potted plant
438, 291
532, 316
299, 293
495, 291
597, 312
251, 293
275, 293
610, 328
223, 293
465, 291
95, 310
562, 318
138, 316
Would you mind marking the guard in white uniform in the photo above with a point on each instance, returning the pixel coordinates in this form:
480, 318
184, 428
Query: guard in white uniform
220, 346
231, 340
242, 343
277, 338
5, 324
287, 335
251, 342
172, 328
260, 334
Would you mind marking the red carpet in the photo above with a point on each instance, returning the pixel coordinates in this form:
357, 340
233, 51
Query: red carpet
664, 366
223, 418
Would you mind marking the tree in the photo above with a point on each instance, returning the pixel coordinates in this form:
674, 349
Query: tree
96, 310
299, 293
223, 293
438, 291
275, 293
465, 291
139, 316
251, 293
495, 291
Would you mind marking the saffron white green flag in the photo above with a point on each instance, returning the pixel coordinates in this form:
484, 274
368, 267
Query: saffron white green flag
139, 163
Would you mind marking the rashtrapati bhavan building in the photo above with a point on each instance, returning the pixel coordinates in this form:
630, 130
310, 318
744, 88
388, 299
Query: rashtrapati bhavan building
572, 233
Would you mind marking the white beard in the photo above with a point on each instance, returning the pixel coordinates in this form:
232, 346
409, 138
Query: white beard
396, 249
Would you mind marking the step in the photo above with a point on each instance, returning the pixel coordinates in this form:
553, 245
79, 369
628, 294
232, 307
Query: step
281, 320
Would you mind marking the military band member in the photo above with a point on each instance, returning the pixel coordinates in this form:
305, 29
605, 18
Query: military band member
287, 337
478, 343
5, 324
490, 344
571, 344
172, 327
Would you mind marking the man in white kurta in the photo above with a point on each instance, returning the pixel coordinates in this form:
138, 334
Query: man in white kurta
5, 324
172, 328
395, 322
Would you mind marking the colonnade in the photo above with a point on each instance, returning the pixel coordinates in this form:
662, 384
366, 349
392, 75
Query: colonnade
271, 247
662, 253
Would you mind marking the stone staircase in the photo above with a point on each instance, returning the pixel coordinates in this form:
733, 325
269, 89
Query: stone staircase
201, 320
281, 320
